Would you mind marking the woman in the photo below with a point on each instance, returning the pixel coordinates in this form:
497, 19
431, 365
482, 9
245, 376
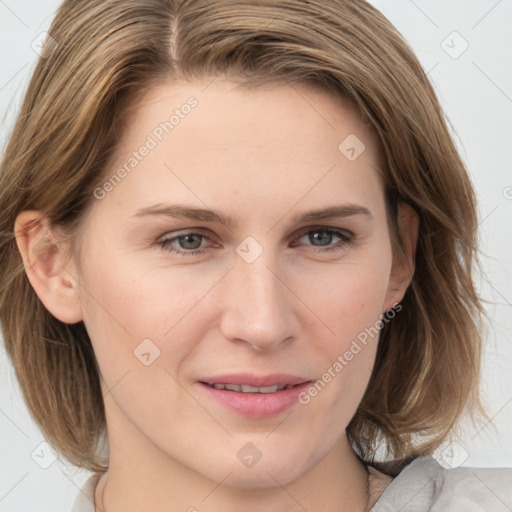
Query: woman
244, 239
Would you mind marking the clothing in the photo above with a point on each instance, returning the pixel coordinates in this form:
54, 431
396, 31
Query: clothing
422, 486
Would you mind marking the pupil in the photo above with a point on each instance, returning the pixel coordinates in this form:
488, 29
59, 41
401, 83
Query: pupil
326, 237
188, 239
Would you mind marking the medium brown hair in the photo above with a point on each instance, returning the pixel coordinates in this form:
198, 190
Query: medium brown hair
427, 368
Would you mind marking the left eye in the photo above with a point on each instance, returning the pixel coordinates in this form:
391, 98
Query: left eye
326, 236
191, 242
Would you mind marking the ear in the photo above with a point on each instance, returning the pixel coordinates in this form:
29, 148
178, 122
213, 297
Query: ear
403, 267
44, 259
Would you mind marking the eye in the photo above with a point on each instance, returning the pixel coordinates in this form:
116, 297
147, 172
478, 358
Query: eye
189, 242
323, 237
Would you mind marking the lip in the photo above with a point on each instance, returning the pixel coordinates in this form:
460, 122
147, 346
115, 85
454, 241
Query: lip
255, 405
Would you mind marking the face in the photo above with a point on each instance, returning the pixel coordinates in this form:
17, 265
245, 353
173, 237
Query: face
176, 300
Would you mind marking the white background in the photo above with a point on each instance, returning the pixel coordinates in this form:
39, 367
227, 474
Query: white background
475, 90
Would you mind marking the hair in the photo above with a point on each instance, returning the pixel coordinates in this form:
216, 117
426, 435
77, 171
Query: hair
106, 52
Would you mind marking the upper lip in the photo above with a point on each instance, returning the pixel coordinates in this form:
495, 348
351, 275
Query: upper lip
255, 380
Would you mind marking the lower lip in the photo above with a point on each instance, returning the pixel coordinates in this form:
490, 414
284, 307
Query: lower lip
256, 405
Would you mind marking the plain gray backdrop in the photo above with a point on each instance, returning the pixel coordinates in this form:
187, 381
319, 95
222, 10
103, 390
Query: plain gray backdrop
466, 47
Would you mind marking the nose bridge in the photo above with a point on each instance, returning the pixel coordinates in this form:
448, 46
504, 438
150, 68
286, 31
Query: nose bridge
257, 307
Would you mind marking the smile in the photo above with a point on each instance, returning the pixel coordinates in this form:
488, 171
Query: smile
253, 396
246, 388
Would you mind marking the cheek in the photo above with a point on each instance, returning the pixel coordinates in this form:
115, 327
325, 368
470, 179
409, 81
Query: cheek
349, 297
350, 308
131, 310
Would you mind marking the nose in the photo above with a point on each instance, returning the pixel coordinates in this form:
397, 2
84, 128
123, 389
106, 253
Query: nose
258, 307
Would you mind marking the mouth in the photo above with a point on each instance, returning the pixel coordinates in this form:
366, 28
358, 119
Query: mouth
253, 396
246, 388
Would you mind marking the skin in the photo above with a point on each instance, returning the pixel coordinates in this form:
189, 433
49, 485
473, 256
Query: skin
261, 156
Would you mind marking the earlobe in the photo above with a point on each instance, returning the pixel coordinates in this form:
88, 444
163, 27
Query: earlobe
403, 268
44, 261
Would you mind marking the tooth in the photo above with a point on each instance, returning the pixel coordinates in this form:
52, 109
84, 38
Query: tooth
233, 387
246, 388
249, 389
269, 389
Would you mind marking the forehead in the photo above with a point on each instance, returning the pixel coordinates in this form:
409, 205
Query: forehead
286, 110
213, 139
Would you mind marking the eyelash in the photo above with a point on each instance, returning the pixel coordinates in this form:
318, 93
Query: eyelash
347, 238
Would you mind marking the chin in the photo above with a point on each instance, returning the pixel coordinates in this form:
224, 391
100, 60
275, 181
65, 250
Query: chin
270, 475
272, 469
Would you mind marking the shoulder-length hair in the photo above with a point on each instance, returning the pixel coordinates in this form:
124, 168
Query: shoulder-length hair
103, 53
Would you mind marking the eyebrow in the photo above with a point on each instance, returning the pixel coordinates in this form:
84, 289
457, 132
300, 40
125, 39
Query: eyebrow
205, 215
